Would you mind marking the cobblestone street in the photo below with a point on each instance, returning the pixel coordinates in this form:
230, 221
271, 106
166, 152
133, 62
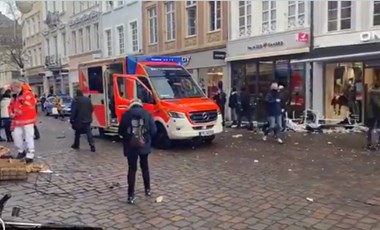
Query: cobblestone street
310, 182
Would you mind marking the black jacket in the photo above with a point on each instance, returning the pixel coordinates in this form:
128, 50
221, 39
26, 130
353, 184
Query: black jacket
126, 119
81, 111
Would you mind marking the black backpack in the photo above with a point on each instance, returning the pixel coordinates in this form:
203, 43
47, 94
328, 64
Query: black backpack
136, 132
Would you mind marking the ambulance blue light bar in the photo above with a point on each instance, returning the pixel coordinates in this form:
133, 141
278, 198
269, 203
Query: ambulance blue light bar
133, 60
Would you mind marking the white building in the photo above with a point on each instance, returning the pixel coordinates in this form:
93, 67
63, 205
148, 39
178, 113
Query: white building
346, 57
55, 16
264, 38
85, 37
121, 25
33, 47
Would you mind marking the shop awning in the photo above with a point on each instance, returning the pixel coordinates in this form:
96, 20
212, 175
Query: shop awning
269, 54
361, 52
346, 57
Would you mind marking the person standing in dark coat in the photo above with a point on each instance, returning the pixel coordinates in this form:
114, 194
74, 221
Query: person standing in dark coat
234, 104
373, 116
137, 129
220, 99
245, 108
81, 119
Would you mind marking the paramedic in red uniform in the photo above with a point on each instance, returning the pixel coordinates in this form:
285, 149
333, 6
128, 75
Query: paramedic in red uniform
23, 110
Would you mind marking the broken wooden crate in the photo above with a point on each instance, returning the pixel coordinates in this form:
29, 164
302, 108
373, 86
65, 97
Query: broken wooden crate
12, 170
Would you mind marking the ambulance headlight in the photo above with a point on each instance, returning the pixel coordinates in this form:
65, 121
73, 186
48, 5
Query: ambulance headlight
176, 114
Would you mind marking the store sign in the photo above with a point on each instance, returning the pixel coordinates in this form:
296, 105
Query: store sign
370, 36
265, 45
219, 55
302, 37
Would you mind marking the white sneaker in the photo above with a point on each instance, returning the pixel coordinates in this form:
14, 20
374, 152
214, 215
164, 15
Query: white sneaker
279, 141
265, 138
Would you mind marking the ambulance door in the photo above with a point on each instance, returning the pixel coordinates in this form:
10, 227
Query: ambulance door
128, 87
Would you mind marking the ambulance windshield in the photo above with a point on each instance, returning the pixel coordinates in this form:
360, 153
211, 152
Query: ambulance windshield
173, 82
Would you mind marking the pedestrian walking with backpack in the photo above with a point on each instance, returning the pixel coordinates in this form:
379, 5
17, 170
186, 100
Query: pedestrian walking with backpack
137, 129
234, 104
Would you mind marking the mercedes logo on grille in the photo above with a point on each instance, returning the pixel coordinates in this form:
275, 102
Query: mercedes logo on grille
205, 116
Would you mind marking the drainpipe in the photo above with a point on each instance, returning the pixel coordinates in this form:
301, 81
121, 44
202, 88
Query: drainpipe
311, 48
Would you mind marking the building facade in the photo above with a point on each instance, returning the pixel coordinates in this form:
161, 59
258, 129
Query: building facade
265, 38
8, 32
33, 47
121, 28
85, 37
195, 30
55, 32
345, 57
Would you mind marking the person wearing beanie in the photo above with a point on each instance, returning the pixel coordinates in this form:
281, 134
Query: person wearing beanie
273, 101
137, 129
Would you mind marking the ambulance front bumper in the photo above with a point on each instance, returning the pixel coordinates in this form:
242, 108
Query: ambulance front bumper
182, 129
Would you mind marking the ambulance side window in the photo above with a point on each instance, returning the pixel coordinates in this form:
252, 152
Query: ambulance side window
146, 82
143, 94
95, 79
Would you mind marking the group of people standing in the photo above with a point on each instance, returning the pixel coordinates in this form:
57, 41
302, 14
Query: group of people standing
241, 107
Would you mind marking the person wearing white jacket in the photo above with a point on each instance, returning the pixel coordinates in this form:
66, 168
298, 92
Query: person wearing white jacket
5, 118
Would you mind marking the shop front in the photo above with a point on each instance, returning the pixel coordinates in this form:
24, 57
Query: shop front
35, 79
208, 68
343, 75
256, 62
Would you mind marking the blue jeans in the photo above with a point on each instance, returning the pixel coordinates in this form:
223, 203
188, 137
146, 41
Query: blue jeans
275, 125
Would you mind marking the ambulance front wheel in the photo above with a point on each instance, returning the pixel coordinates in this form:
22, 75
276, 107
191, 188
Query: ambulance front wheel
161, 140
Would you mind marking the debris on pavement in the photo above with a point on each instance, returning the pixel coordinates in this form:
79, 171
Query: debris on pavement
290, 170
256, 161
237, 135
329, 143
159, 199
309, 199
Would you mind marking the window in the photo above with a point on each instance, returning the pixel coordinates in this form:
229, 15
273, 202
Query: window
74, 7
245, 18
134, 35
152, 16
64, 41
96, 35
215, 12
339, 15
35, 57
109, 5
191, 14
269, 16
28, 28
120, 38
296, 14
376, 13
108, 42
81, 46
95, 79
170, 20
74, 40
34, 30
30, 58
88, 38
47, 43
38, 23
63, 5
54, 6
55, 44
39, 56
81, 6
120, 3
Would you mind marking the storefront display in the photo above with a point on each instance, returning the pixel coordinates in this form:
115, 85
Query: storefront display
344, 91
257, 76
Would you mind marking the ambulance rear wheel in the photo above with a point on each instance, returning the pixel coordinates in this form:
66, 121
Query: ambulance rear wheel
162, 141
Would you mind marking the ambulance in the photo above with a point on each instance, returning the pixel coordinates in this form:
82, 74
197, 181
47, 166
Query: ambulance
180, 108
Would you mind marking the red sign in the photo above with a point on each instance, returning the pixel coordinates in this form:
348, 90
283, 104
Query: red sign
302, 37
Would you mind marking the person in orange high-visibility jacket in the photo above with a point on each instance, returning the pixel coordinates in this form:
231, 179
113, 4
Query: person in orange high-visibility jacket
36, 131
24, 117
